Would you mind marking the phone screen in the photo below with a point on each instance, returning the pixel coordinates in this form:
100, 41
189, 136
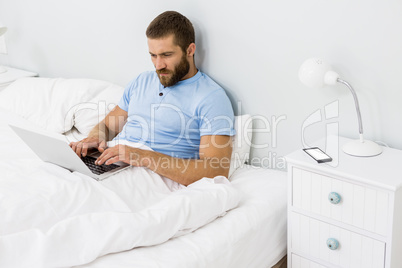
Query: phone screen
318, 155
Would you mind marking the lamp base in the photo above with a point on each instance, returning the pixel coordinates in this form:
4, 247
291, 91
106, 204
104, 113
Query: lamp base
362, 148
2, 69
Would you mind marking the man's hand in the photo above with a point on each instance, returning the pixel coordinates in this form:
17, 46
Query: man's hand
124, 153
81, 147
106, 130
215, 153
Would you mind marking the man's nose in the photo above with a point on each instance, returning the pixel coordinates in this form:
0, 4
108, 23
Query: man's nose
160, 63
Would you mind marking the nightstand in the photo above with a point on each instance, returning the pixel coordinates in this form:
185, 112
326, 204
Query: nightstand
345, 215
11, 75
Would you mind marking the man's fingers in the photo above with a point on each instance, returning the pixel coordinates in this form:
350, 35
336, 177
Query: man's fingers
81, 147
112, 160
102, 146
104, 157
84, 149
73, 145
99, 159
78, 149
109, 156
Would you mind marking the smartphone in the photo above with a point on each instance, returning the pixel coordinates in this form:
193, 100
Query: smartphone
317, 154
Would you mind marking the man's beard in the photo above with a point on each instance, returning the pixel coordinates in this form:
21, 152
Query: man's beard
176, 75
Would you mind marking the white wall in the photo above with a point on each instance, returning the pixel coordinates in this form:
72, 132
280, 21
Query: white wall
252, 48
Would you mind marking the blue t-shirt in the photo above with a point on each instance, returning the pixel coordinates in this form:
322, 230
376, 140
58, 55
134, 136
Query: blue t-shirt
172, 120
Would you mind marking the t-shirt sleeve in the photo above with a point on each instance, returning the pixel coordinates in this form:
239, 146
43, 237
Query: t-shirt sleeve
125, 99
216, 115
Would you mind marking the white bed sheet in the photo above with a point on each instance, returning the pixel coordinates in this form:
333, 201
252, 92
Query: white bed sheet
251, 235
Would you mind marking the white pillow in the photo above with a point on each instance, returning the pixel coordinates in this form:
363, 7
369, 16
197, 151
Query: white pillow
89, 114
53, 103
241, 142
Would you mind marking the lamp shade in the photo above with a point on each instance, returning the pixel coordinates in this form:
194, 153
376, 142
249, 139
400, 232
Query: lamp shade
316, 73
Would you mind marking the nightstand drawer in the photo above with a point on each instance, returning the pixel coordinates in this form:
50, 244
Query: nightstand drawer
310, 237
299, 262
357, 205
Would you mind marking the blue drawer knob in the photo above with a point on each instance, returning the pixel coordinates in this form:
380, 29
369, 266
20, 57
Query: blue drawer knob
334, 198
332, 243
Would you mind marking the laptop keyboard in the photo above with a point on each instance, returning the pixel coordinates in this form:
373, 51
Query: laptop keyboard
98, 170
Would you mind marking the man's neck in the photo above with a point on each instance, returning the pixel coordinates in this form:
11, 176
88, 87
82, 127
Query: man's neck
192, 71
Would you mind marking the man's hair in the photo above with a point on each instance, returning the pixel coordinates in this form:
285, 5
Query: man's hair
172, 22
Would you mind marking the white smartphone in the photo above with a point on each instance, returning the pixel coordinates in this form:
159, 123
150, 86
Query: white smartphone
317, 154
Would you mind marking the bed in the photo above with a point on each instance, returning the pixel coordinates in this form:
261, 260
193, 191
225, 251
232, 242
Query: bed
51, 217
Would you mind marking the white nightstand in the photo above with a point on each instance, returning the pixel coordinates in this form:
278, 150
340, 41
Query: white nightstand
11, 75
366, 222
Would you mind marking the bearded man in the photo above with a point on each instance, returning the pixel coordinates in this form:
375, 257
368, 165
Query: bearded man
177, 111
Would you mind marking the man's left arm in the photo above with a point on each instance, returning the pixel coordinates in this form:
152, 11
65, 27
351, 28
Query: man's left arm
215, 154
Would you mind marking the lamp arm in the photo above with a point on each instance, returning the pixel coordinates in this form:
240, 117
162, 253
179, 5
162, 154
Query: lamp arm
359, 117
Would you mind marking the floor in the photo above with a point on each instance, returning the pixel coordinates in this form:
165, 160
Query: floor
283, 263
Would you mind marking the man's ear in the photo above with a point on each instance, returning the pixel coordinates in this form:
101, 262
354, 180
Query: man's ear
191, 50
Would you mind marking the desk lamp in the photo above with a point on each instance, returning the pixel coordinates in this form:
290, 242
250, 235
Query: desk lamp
315, 73
3, 30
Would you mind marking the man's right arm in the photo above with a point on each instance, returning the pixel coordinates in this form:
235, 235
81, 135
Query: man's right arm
106, 130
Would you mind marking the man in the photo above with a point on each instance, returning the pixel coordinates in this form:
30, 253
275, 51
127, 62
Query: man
179, 112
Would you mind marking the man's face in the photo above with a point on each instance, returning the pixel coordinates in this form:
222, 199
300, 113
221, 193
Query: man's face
170, 62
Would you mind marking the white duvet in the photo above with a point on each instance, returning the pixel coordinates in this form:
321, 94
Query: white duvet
50, 217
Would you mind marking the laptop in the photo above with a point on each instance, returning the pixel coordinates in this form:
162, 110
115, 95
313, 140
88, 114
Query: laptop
57, 151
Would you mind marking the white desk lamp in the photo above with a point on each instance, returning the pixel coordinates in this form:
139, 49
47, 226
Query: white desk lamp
316, 73
3, 30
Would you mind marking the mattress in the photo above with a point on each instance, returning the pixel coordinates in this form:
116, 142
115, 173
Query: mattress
251, 235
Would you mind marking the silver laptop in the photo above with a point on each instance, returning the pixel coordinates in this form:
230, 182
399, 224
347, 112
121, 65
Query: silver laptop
57, 151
